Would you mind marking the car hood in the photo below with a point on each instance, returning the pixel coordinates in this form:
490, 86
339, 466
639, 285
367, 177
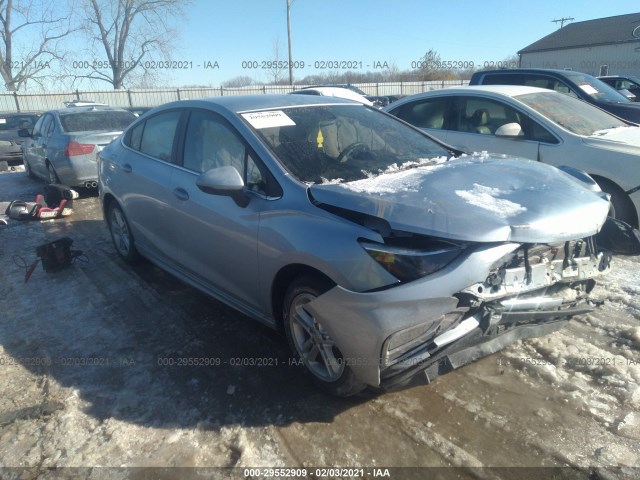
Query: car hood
620, 139
475, 199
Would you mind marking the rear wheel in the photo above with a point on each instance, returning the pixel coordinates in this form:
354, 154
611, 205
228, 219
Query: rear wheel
27, 168
52, 176
121, 234
311, 343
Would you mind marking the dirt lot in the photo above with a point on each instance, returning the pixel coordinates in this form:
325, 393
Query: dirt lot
90, 377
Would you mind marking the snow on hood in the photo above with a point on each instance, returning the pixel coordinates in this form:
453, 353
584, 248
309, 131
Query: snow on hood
489, 199
476, 199
621, 138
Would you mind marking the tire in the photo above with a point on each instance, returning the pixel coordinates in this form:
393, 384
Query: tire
311, 344
121, 234
27, 169
621, 207
52, 176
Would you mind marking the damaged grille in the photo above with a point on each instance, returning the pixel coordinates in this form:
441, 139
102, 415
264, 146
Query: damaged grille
535, 266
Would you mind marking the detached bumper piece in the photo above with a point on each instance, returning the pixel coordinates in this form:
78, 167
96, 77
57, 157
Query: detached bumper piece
482, 334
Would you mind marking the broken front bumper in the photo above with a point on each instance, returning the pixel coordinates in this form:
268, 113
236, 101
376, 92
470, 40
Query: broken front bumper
388, 337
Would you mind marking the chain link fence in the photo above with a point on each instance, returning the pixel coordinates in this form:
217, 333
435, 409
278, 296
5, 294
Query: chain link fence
25, 102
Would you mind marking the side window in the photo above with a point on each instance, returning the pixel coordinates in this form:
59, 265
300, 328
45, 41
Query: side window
159, 133
503, 79
134, 138
37, 128
424, 113
542, 81
562, 87
536, 132
50, 127
624, 84
483, 116
45, 126
210, 142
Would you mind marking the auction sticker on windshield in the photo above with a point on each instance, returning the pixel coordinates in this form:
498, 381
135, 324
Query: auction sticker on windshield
270, 119
588, 89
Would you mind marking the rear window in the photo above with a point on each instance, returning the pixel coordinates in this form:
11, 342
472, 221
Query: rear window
15, 122
106, 120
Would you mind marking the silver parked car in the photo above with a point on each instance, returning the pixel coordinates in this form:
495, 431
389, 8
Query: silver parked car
538, 124
63, 145
383, 258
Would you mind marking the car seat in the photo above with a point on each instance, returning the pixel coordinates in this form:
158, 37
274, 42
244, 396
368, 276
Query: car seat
480, 120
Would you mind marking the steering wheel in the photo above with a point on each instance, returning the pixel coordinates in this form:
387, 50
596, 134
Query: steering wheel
351, 149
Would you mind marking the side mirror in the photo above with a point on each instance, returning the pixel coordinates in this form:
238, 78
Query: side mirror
510, 130
225, 181
24, 132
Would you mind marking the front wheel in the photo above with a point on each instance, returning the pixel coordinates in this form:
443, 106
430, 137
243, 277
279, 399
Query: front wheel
121, 234
311, 343
620, 206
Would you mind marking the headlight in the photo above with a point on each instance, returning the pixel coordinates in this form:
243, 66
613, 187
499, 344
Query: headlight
582, 176
408, 264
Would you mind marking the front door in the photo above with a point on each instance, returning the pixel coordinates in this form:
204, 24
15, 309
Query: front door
217, 236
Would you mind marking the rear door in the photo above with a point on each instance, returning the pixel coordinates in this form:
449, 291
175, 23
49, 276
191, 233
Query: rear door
428, 114
39, 144
143, 182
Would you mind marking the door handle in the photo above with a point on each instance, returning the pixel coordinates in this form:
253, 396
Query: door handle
126, 168
181, 193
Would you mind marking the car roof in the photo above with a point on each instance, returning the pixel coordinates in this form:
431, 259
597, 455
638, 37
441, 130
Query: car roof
553, 71
19, 114
341, 92
248, 103
89, 108
506, 90
630, 77
509, 90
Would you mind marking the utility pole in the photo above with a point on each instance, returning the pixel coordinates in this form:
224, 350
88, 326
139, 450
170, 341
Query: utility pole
289, 40
562, 20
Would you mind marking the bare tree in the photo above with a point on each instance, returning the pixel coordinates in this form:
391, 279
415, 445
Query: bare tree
278, 64
136, 36
31, 32
238, 82
431, 67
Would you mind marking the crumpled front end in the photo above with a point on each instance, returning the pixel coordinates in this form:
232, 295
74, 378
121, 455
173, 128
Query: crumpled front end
475, 306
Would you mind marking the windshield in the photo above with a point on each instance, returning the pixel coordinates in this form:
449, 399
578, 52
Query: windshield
99, 120
331, 143
597, 89
570, 113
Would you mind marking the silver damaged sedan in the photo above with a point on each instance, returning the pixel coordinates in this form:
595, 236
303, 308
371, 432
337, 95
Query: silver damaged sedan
384, 256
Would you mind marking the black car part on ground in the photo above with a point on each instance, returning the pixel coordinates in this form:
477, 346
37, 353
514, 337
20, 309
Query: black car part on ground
57, 255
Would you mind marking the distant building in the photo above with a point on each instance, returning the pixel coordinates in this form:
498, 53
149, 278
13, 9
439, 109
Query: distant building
605, 46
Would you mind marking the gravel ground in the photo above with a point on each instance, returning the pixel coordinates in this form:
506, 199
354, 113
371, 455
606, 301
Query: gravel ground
91, 378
